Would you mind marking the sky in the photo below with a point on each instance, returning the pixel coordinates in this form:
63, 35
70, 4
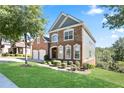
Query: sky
92, 16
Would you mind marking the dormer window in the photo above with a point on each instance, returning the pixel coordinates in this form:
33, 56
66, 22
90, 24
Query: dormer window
54, 38
69, 34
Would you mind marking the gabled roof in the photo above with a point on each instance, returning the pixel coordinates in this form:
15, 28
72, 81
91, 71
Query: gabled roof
64, 20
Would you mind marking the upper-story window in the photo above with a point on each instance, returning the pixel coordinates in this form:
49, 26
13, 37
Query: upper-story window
69, 34
54, 38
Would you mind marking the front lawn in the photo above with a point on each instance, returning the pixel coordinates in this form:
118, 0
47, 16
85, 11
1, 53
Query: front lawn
42, 77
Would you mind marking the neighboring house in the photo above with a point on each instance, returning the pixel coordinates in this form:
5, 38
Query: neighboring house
40, 48
71, 40
19, 48
5, 45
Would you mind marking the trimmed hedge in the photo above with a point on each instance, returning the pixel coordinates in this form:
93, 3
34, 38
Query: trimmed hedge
73, 67
64, 65
46, 57
70, 62
77, 63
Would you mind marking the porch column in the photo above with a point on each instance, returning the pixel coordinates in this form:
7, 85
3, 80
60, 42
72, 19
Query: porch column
16, 50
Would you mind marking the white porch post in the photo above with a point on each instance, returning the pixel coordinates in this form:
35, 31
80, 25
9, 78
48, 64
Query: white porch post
16, 50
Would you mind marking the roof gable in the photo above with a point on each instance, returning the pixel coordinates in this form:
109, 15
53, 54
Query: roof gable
69, 22
64, 20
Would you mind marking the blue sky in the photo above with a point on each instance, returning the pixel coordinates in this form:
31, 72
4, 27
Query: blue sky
93, 17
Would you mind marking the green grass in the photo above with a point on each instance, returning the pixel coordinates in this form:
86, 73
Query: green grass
42, 77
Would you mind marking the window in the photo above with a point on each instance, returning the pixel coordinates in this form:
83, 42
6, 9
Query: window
77, 51
68, 52
69, 34
54, 38
60, 52
38, 40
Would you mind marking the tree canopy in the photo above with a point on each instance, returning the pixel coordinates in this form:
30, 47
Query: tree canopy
115, 19
17, 20
118, 48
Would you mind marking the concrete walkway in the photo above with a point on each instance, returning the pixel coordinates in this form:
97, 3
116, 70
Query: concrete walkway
6, 83
10, 59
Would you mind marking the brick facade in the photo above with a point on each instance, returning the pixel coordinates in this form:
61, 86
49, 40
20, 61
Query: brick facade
43, 44
77, 40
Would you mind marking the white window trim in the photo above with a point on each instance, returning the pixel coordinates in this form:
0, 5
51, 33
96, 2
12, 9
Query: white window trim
63, 21
68, 30
74, 52
66, 51
51, 50
60, 46
54, 35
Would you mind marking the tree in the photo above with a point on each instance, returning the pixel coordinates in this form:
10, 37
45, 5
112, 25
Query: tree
17, 21
103, 55
118, 48
115, 19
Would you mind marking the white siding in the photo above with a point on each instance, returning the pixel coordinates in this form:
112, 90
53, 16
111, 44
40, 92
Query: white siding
28, 51
5, 49
88, 47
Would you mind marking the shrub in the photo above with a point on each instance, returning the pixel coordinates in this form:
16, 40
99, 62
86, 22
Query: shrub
73, 67
45, 62
4, 54
88, 66
121, 69
59, 64
77, 63
103, 65
46, 57
113, 66
56, 62
120, 63
64, 65
85, 66
70, 62
65, 61
49, 63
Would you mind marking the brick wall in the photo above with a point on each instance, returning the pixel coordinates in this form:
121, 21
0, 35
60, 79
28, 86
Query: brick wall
77, 40
41, 45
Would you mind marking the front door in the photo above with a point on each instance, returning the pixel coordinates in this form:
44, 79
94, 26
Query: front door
54, 52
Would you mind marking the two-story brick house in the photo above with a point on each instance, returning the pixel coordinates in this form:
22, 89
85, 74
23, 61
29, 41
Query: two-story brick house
71, 40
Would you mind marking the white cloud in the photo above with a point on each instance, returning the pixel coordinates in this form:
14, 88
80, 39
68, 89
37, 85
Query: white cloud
95, 10
120, 30
114, 36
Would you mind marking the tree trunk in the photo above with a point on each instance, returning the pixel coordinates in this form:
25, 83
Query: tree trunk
25, 36
0, 44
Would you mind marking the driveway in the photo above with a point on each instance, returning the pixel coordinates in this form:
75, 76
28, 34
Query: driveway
11, 59
6, 83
